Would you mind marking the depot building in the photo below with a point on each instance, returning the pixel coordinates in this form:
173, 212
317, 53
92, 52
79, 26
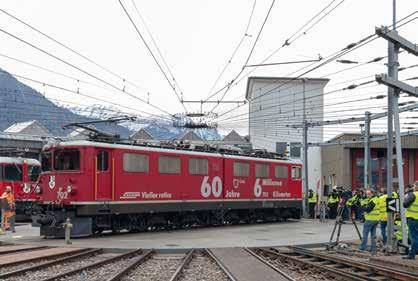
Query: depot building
343, 164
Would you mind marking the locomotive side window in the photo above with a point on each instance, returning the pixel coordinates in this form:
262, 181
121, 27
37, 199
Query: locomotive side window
33, 172
67, 160
136, 163
296, 173
102, 161
169, 165
241, 169
261, 171
46, 161
281, 172
198, 166
13, 172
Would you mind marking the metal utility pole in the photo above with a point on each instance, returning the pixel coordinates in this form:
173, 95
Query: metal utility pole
367, 160
395, 87
305, 153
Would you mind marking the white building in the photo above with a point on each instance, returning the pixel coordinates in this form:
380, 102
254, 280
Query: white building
274, 104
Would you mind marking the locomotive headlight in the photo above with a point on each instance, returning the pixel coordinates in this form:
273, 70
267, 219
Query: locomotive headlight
69, 189
38, 189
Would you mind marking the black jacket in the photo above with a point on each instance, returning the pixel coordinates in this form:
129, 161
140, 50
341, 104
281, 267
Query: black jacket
410, 198
369, 207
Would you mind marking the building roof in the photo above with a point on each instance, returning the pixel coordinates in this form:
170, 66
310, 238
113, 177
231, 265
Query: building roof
33, 127
142, 134
252, 79
190, 136
233, 136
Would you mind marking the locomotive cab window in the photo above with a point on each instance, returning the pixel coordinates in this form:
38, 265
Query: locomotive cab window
241, 169
169, 165
33, 172
281, 172
13, 172
296, 173
135, 163
102, 161
262, 171
198, 166
46, 161
67, 160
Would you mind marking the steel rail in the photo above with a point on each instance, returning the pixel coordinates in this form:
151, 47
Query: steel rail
397, 274
46, 257
272, 266
93, 265
87, 252
176, 275
221, 265
22, 250
131, 266
331, 270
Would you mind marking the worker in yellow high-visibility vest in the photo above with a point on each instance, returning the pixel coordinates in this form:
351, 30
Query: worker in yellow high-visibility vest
371, 216
333, 200
411, 213
312, 201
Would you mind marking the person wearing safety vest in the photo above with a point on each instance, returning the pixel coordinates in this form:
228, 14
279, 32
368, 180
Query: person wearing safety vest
9, 214
411, 213
372, 216
353, 203
333, 200
312, 200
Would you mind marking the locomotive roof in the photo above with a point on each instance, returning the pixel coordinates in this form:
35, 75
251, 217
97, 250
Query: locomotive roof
18, 160
168, 150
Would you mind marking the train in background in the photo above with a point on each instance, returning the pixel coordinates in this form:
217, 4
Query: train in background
21, 174
119, 186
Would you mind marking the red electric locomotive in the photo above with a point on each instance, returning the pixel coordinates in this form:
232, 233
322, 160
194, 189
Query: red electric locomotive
21, 175
106, 186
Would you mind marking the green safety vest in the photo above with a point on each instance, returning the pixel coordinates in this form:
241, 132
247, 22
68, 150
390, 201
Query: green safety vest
373, 215
332, 200
398, 233
313, 199
382, 207
412, 211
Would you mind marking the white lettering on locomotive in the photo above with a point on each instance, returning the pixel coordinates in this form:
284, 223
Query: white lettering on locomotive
130, 195
61, 195
206, 189
277, 194
232, 194
51, 182
271, 182
257, 188
152, 195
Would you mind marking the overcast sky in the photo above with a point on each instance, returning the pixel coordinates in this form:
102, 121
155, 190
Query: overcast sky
196, 39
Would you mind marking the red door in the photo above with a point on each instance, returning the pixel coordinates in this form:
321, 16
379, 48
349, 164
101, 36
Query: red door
103, 170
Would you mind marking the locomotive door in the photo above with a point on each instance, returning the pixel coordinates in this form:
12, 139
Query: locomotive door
103, 174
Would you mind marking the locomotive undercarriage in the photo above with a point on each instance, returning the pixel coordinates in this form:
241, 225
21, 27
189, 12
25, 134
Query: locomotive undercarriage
94, 220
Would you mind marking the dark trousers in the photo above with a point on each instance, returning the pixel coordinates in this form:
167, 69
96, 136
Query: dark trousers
312, 210
413, 232
333, 211
369, 227
383, 225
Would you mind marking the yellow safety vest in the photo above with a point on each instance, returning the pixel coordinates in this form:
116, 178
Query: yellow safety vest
313, 198
332, 200
412, 210
382, 207
364, 201
373, 215
398, 233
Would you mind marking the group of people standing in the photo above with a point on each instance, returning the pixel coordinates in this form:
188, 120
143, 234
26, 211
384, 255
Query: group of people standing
7, 211
375, 213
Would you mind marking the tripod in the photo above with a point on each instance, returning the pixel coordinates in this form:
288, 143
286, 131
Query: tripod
339, 221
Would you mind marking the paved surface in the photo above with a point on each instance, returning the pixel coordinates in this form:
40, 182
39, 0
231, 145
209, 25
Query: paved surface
244, 266
271, 234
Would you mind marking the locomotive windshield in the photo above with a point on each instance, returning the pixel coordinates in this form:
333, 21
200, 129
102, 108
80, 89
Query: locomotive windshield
13, 172
46, 161
33, 172
67, 160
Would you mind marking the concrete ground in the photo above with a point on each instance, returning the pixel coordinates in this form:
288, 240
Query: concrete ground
268, 234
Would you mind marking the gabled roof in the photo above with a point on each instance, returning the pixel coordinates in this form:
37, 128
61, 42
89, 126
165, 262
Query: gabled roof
33, 127
191, 136
142, 134
233, 136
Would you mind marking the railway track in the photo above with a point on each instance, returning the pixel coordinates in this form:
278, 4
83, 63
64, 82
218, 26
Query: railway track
335, 265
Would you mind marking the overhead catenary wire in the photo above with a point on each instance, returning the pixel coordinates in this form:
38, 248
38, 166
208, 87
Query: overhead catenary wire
152, 55
82, 70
